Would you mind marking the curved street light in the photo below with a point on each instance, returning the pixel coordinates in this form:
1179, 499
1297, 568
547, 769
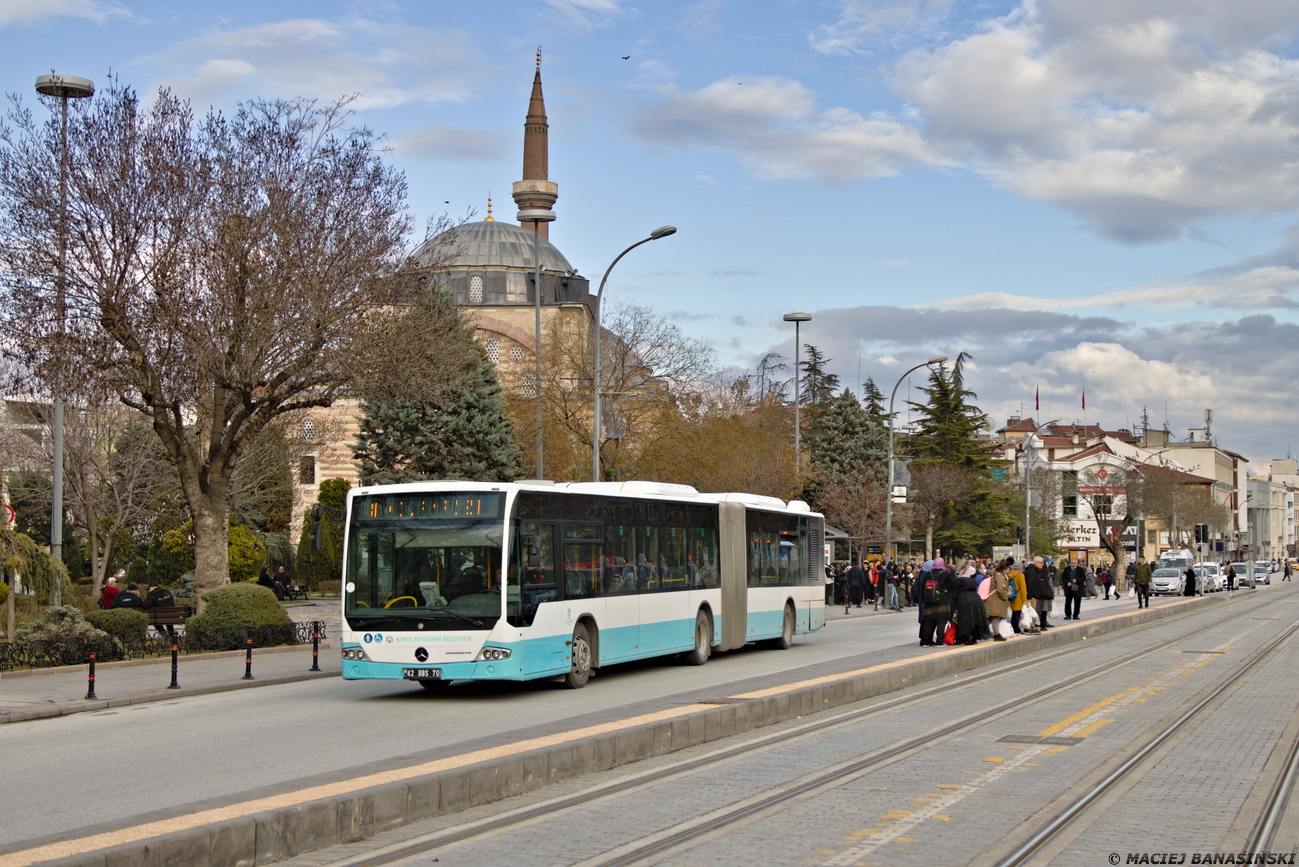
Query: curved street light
597, 408
63, 87
888, 503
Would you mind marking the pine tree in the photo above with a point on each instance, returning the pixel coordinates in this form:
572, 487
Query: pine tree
818, 386
455, 428
844, 447
873, 403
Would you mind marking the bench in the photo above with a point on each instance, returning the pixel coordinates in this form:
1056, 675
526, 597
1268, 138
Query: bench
294, 590
168, 615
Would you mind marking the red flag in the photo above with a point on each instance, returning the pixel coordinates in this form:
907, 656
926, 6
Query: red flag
1084, 398
1037, 399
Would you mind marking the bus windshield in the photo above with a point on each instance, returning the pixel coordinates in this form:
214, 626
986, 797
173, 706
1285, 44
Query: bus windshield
430, 561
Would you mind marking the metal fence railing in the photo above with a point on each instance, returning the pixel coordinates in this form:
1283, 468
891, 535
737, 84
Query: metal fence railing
76, 651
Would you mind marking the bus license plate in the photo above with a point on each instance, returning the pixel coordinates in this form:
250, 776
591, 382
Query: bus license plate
422, 673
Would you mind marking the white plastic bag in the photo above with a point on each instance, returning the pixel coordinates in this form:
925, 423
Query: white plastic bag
1132, 593
1028, 619
1004, 629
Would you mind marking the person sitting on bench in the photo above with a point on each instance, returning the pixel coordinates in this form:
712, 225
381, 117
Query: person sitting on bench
160, 597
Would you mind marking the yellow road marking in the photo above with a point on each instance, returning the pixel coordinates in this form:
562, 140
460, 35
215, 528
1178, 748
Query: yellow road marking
1096, 726
994, 759
1068, 721
949, 786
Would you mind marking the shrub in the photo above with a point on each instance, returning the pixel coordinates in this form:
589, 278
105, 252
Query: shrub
119, 621
329, 588
63, 637
186, 586
231, 608
4, 593
138, 572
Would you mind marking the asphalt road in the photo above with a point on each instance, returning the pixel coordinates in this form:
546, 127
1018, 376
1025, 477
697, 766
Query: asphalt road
115, 766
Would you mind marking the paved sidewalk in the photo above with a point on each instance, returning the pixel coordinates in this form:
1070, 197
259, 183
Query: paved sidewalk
46, 693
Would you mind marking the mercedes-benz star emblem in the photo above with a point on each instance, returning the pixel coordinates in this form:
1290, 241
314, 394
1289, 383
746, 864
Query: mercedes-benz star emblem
421, 654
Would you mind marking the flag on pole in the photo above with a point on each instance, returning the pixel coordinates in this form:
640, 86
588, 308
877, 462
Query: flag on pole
1084, 399
1037, 399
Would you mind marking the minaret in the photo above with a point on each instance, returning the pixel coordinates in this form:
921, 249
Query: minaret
536, 191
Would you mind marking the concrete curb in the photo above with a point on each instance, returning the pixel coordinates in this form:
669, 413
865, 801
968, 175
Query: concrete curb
273, 835
102, 704
156, 660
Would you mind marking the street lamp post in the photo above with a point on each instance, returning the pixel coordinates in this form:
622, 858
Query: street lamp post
537, 215
797, 319
64, 87
888, 503
596, 407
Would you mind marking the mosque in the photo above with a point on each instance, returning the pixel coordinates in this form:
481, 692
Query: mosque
490, 268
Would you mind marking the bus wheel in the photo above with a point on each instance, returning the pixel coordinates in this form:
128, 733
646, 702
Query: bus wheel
580, 672
703, 640
786, 639
435, 685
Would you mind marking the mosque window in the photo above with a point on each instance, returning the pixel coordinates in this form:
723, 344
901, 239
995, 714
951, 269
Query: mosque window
529, 385
493, 347
476, 289
516, 353
516, 287
308, 431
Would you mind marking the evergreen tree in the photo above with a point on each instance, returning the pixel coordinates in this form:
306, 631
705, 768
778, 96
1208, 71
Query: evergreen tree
845, 452
415, 427
818, 386
873, 403
950, 433
313, 567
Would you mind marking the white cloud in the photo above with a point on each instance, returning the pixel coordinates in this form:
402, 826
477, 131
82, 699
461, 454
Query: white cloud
40, 11
445, 143
587, 13
387, 64
865, 22
1142, 117
774, 126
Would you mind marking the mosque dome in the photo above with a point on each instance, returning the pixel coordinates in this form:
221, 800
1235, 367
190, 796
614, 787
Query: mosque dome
489, 244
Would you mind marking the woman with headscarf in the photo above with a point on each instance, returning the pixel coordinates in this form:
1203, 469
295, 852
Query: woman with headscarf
968, 611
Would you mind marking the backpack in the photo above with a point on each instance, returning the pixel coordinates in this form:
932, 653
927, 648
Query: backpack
931, 592
1012, 590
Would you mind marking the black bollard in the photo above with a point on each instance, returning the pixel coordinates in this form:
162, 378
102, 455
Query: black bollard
248, 660
315, 645
175, 666
90, 691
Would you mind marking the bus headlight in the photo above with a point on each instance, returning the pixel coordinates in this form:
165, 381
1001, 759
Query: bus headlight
494, 653
354, 653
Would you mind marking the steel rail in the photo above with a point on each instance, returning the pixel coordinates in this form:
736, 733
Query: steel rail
399, 852
1278, 799
1020, 854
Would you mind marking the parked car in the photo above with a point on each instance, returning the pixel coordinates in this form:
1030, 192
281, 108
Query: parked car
1262, 573
1167, 581
1245, 572
1211, 577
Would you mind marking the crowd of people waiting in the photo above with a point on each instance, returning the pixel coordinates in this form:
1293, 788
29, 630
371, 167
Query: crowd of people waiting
968, 604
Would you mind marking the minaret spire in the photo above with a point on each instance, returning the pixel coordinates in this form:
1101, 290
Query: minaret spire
536, 191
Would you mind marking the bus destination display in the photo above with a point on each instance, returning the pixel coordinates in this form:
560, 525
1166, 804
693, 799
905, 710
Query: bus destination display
429, 507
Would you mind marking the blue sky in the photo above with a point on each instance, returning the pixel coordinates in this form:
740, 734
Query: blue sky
1079, 193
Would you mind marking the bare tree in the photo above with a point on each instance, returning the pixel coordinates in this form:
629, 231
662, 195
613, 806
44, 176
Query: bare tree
1112, 496
936, 487
220, 272
858, 505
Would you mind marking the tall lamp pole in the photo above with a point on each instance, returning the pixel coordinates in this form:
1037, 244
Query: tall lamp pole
596, 407
64, 87
888, 503
535, 216
797, 319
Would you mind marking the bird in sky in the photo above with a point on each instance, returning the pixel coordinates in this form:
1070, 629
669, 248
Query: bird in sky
626, 57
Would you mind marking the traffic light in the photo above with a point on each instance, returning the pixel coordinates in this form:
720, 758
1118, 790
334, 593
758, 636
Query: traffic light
1019, 534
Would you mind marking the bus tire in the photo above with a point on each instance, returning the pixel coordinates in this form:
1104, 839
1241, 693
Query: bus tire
703, 639
786, 639
580, 671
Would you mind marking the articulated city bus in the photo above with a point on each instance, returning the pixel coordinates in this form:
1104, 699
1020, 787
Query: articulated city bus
448, 581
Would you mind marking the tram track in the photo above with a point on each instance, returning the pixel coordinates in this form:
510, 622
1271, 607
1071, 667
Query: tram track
697, 831
1267, 824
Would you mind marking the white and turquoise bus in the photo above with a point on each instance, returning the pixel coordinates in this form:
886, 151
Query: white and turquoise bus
448, 581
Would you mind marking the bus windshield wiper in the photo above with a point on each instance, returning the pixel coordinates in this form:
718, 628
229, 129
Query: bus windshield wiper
459, 616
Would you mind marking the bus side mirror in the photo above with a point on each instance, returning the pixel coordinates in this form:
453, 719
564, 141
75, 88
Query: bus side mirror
531, 549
